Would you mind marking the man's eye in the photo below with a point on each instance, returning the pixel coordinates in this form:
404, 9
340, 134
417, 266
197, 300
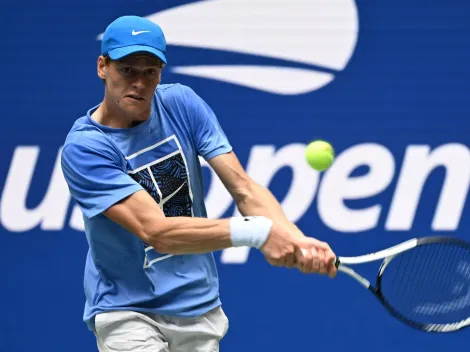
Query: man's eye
126, 70
151, 72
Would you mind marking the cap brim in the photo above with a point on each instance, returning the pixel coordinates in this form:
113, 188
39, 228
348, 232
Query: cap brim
119, 53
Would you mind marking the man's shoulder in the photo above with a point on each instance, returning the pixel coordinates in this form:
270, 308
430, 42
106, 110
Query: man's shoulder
172, 89
85, 134
174, 93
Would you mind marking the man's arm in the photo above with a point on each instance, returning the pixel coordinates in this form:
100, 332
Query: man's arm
140, 215
250, 197
253, 199
98, 182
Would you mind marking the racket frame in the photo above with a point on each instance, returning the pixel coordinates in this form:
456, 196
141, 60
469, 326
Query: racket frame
387, 255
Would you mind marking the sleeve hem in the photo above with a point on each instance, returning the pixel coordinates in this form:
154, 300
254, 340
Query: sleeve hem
220, 150
110, 201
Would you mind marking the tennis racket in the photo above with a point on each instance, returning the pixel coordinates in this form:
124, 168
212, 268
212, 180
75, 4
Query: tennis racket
423, 282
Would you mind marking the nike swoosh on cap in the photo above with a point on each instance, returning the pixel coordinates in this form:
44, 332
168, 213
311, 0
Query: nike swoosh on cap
139, 32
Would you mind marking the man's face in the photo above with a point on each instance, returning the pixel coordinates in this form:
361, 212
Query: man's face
131, 83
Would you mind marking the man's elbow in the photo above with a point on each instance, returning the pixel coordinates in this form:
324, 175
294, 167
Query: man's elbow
153, 235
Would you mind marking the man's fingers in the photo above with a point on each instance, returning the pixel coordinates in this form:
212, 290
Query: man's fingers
322, 265
305, 261
330, 258
330, 264
313, 263
275, 262
309, 242
290, 260
319, 245
309, 255
299, 257
332, 270
318, 260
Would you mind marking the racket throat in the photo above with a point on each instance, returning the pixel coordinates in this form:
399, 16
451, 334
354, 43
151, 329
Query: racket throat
364, 282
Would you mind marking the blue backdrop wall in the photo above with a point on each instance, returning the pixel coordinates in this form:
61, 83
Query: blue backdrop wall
387, 82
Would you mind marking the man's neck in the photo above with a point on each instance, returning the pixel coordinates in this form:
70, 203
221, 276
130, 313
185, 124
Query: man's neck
108, 115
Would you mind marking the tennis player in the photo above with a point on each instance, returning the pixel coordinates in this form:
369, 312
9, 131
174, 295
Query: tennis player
131, 164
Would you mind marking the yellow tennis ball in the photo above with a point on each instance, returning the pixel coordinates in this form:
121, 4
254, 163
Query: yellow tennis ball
319, 155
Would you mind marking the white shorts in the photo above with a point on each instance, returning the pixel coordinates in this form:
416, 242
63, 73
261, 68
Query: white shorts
123, 331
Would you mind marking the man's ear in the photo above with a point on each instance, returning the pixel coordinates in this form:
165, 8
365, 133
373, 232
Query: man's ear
102, 67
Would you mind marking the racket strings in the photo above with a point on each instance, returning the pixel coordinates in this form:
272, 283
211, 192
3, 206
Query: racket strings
417, 276
436, 281
433, 282
439, 283
409, 278
429, 284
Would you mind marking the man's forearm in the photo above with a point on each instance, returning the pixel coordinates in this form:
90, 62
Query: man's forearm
193, 235
139, 214
181, 235
259, 200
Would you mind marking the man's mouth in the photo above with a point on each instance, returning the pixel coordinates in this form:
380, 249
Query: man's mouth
135, 97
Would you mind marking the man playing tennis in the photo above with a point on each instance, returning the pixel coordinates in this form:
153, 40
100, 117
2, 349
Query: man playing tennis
132, 165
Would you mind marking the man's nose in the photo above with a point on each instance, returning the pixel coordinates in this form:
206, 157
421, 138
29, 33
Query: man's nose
139, 82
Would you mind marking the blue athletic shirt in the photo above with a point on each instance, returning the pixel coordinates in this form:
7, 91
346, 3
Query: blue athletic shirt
103, 165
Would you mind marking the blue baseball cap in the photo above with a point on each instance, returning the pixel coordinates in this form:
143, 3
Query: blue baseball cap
131, 34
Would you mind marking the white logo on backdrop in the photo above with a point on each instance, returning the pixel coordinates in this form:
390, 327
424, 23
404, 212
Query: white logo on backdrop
321, 35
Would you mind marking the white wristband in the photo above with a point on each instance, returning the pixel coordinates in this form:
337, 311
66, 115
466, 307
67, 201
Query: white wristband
251, 231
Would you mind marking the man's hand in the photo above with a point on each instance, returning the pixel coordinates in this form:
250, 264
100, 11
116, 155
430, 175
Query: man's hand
317, 257
309, 255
